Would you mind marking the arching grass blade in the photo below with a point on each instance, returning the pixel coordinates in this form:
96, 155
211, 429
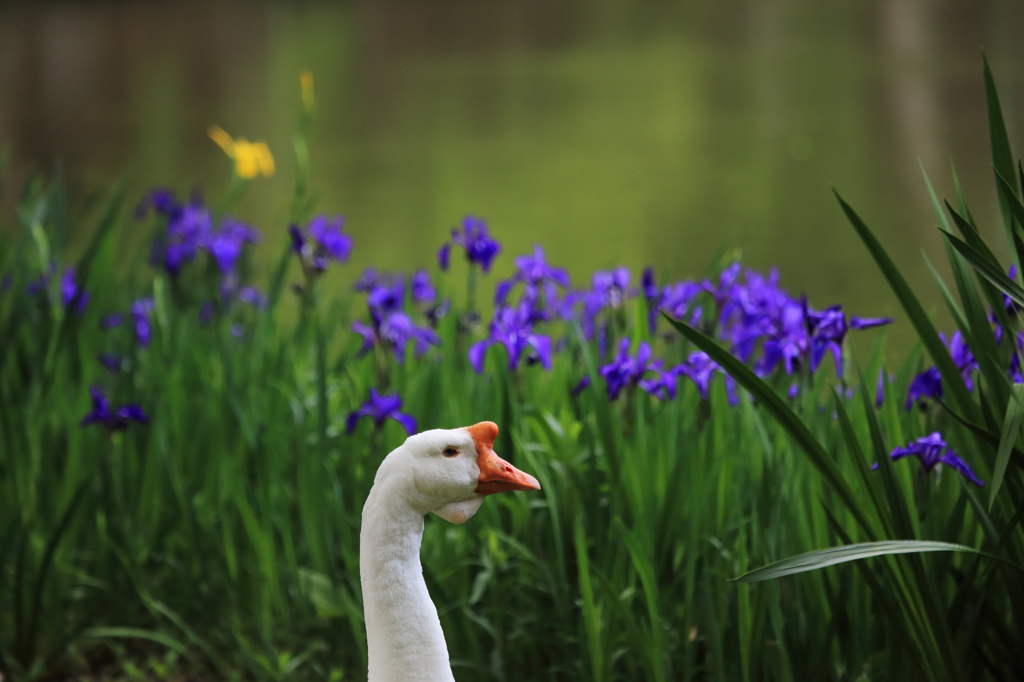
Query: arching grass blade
822, 558
951, 378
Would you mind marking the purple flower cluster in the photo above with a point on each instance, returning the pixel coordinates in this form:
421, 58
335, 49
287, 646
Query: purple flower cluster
751, 312
190, 229
629, 370
513, 325
321, 241
932, 450
540, 281
390, 325
474, 239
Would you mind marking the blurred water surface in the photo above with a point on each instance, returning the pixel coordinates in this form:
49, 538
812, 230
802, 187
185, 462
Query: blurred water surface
612, 133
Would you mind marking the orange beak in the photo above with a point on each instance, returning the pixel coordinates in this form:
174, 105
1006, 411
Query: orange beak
496, 475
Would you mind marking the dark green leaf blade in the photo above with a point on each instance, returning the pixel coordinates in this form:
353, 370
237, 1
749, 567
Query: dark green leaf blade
985, 268
951, 377
1011, 427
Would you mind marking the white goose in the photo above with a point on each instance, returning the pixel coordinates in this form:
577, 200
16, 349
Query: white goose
448, 472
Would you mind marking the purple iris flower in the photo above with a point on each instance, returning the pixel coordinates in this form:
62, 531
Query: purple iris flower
369, 334
513, 329
328, 234
114, 420
189, 228
398, 330
607, 290
386, 296
927, 384
827, 329
787, 340
932, 450
962, 357
700, 368
326, 241
225, 245
630, 370
678, 299
880, 388
422, 289
160, 199
474, 238
1015, 369
110, 321
535, 273
381, 407
649, 286
583, 384
141, 311
723, 291
859, 323
70, 292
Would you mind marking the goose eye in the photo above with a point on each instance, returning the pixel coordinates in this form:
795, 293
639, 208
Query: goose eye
450, 452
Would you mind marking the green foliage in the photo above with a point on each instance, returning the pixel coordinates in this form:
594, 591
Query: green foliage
222, 539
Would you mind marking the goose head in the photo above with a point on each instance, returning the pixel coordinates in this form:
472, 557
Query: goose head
450, 471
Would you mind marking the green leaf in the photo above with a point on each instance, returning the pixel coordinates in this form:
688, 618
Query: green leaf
44, 568
1011, 427
822, 558
986, 269
775, 406
863, 470
591, 612
947, 296
901, 516
936, 205
951, 377
1008, 195
138, 633
1002, 157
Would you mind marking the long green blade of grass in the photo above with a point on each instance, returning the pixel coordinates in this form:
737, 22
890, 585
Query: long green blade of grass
985, 268
1002, 157
1011, 427
926, 331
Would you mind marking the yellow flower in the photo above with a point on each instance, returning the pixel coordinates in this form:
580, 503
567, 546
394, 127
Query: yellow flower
306, 82
252, 159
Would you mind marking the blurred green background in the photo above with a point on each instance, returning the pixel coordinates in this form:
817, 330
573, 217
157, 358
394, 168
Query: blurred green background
613, 133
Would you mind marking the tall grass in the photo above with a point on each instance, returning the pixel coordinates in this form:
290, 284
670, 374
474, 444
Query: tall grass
221, 538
